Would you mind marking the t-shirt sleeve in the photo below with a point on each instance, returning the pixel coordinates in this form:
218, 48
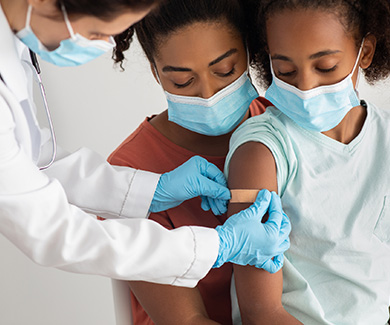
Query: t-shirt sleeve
268, 130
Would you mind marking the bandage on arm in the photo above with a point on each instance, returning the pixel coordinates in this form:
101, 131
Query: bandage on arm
243, 195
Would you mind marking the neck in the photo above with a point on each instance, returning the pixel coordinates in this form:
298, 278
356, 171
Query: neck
349, 128
15, 12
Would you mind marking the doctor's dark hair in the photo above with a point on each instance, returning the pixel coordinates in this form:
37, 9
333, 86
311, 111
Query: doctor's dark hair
359, 18
104, 9
173, 15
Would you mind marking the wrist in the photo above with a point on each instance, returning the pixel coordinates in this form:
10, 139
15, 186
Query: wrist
222, 248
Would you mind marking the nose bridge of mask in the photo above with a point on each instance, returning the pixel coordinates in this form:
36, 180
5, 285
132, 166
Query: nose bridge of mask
211, 101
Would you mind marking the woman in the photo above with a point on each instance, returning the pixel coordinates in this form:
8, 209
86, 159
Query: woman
198, 55
45, 217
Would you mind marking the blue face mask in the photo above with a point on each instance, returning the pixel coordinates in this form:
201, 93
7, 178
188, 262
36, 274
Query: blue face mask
319, 109
73, 51
216, 115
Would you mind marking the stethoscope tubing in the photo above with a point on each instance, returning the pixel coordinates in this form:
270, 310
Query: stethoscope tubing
37, 70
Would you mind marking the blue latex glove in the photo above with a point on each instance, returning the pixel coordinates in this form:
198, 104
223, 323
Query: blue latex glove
196, 177
244, 240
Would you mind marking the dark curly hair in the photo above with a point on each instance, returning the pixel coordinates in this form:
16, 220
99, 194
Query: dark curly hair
104, 9
359, 17
173, 15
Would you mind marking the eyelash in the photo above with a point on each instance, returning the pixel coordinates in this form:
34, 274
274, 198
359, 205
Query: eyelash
231, 72
184, 85
288, 74
327, 70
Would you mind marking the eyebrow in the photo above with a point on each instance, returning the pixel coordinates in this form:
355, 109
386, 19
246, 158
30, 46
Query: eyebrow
311, 57
223, 56
169, 68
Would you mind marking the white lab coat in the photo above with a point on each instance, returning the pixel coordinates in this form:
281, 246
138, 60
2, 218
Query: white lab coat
45, 214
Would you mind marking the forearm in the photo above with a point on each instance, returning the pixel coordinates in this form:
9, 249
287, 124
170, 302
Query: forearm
166, 304
277, 316
259, 297
97, 187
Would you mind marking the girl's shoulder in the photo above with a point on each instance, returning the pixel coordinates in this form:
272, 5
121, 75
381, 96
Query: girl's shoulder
269, 130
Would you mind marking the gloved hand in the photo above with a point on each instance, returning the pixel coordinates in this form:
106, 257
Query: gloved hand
196, 177
244, 240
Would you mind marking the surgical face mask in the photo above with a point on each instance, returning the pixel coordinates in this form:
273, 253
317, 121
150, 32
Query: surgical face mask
73, 51
319, 109
216, 115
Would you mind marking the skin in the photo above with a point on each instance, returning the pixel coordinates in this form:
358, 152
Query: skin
188, 49
306, 58
48, 23
194, 48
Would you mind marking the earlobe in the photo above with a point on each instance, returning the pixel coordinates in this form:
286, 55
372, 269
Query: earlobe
368, 51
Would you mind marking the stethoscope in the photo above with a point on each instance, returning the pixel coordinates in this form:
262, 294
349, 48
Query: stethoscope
37, 71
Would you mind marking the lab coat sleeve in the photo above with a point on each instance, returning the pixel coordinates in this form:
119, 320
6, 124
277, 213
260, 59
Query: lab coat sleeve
36, 216
99, 188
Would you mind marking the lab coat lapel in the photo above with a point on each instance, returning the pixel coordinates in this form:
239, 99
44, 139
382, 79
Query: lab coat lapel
14, 76
10, 66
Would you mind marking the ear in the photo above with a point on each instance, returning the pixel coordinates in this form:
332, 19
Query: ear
368, 51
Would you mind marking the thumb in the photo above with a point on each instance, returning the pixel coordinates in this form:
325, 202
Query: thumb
275, 212
260, 206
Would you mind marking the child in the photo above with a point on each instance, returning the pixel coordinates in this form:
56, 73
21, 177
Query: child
327, 154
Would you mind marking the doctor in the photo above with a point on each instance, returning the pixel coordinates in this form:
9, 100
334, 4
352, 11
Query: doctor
47, 214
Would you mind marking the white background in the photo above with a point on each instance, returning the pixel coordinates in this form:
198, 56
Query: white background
95, 106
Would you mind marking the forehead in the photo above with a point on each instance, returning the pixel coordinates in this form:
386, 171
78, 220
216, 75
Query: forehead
308, 31
201, 41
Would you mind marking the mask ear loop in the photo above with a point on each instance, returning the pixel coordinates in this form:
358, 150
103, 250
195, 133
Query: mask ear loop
157, 76
28, 17
248, 64
67, 21
356, 65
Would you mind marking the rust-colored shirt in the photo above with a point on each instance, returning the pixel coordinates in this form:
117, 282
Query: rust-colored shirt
147, 149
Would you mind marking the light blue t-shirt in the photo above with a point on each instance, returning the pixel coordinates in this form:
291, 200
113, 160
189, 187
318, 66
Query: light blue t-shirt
337, 196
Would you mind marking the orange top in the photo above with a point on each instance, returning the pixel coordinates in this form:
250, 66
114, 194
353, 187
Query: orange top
147, 149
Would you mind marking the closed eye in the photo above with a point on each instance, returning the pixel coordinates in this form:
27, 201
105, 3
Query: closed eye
286, 74
327, 70
184, 84
231, 72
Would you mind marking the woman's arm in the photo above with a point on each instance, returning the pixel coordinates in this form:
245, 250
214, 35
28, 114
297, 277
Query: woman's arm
259, 293
166, 304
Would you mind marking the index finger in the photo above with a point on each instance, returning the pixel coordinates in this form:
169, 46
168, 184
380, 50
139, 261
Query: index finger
213, 172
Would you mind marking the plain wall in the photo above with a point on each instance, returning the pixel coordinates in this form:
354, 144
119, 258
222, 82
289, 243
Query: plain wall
94, 106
